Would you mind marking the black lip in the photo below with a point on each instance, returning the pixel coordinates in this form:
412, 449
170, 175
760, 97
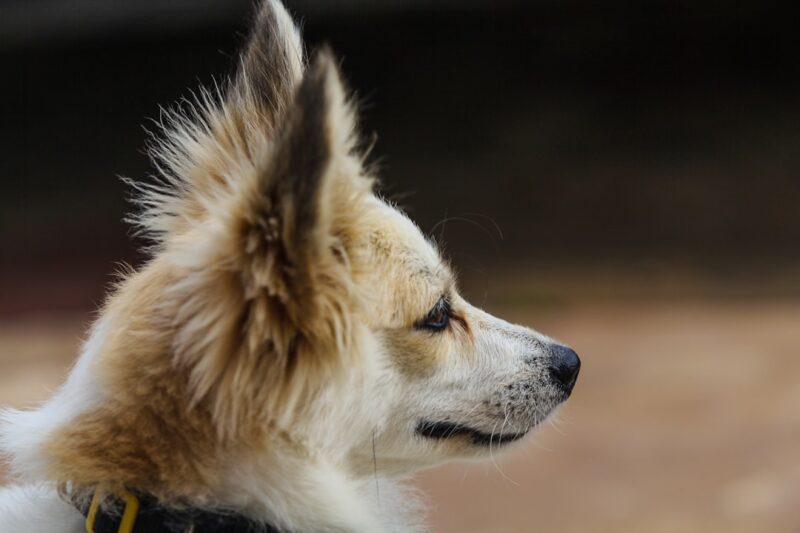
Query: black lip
446, 430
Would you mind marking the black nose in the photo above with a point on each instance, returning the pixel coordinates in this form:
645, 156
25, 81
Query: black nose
564, 366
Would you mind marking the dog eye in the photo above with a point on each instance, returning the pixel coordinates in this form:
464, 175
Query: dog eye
438, 318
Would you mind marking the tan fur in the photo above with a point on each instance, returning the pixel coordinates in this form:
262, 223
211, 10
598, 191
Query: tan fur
132, 439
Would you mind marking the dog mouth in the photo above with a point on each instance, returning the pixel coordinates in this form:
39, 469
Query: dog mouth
450, 430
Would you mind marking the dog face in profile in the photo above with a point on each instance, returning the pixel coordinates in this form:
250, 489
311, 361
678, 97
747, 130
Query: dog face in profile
293, 334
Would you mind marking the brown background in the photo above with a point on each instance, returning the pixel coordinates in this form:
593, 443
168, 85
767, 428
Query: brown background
622, 176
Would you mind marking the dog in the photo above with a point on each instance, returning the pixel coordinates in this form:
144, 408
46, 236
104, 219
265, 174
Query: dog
292, 346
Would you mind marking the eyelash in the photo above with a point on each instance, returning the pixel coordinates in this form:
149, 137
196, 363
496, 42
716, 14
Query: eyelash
438, 318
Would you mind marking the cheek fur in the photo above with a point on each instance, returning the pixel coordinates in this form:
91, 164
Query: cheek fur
421, 354
417, 354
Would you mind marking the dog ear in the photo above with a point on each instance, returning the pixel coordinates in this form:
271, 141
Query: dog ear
267, 296
305, 199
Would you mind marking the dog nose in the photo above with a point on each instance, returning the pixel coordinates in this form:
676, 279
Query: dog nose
564, 366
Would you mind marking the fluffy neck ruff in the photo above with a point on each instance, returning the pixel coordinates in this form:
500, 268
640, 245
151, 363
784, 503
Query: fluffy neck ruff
85, 438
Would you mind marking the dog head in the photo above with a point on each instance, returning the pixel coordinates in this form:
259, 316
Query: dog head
302, 300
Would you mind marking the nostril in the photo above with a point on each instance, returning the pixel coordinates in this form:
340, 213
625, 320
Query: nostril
564, 366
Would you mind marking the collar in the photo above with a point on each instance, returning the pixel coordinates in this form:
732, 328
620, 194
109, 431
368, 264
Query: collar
129, 513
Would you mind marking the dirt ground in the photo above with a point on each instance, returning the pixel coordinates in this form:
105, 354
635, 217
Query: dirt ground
686, 417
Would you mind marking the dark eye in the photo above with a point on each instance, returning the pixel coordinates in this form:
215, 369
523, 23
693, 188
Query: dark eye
438, 318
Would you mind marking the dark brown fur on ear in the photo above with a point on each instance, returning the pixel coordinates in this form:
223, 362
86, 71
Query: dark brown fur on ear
307, 184
301, 162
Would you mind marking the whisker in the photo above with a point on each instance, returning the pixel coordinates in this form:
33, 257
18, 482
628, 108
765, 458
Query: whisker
463, 219
375, 471
554, 421
488, 219
491, 454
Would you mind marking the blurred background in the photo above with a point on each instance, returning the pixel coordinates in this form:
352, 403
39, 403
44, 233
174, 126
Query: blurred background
624, 176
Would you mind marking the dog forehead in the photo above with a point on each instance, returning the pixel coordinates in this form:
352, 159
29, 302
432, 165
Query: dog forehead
394, 237
406, 272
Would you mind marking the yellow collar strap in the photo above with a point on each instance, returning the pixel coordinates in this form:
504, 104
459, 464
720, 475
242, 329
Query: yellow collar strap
126, 522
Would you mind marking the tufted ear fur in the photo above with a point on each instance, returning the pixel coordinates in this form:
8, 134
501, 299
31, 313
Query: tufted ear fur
305, 202
258, 200
209, 142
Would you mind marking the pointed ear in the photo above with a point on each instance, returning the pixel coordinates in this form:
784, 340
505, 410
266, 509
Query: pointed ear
306, 200
292, 318
303, 174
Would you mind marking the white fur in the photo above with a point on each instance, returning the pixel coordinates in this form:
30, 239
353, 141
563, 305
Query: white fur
36, 508
23, 432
